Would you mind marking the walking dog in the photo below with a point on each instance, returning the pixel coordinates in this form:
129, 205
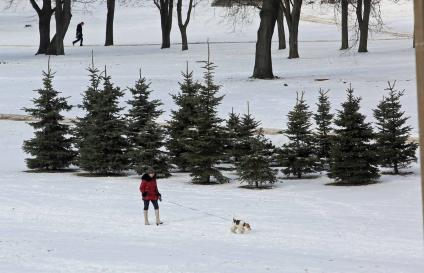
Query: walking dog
240, 226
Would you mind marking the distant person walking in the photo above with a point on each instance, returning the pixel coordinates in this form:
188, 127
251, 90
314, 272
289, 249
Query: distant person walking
79, 34
150, 193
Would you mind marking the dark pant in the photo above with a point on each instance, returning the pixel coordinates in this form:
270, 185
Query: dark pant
154, 202
79, 38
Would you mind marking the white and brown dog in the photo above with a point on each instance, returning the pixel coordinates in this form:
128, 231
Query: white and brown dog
240, 226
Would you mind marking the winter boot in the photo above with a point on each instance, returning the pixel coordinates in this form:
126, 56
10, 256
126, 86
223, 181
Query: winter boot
158, 222
146, 218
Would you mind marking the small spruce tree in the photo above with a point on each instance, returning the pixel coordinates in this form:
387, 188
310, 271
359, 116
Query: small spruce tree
206, 146
353, 156
255, 167
51, 147
248, 128
242, 130
233, 123
146, 137
182, 119
101, 140
299, 154
233, 132
394, 149
323, 119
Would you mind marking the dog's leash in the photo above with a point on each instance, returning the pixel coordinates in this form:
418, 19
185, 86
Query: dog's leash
198, 210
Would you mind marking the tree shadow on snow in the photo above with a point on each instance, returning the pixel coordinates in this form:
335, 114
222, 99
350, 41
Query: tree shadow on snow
85, 174
306, 177
52, 171
252, 187
400, 173
353, 184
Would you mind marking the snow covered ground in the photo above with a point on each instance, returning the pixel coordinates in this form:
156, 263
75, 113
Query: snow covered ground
389, 59
269, 100
67, 223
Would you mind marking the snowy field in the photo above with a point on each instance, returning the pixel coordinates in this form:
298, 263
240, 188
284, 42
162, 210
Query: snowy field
137, 29
65, 223
57, 223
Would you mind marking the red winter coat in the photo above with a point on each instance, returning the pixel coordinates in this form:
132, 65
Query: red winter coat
148, 188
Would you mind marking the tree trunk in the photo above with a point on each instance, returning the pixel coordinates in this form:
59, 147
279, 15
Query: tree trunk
184, 43
281, 32
44, 18
56, 46
396, 168
345, 31
109, 22
363, 21
293, 40
292, 10
263, 60
63, 18
44, 30
166, 35
208, 178
181, 25
166, 8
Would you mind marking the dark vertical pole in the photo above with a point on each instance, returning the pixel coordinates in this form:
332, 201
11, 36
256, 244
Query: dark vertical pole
419, 50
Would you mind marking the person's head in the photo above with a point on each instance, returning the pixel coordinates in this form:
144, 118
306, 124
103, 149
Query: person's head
82, 23
151, 171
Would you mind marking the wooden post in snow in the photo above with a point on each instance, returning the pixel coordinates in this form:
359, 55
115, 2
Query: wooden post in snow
419, 49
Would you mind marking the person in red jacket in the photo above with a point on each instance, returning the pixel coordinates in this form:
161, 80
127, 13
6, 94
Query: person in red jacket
150, 193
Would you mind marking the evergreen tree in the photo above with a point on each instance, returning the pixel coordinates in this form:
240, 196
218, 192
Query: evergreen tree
182, 120
323, 119
233, 133
100, 134
145, 136
244, 129
248, 125
393, 147
255, 167
206, 146
51, 147
233, 123
248, 128
353, 156
298, 156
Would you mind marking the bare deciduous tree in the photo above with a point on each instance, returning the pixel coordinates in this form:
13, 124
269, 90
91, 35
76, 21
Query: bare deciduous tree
183, 25
240, 12
341, 8
109, 22
281, 32
368, 18
263, 60
345, 26
363, 11
63, 19
44, 17
292, 10
165, 8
